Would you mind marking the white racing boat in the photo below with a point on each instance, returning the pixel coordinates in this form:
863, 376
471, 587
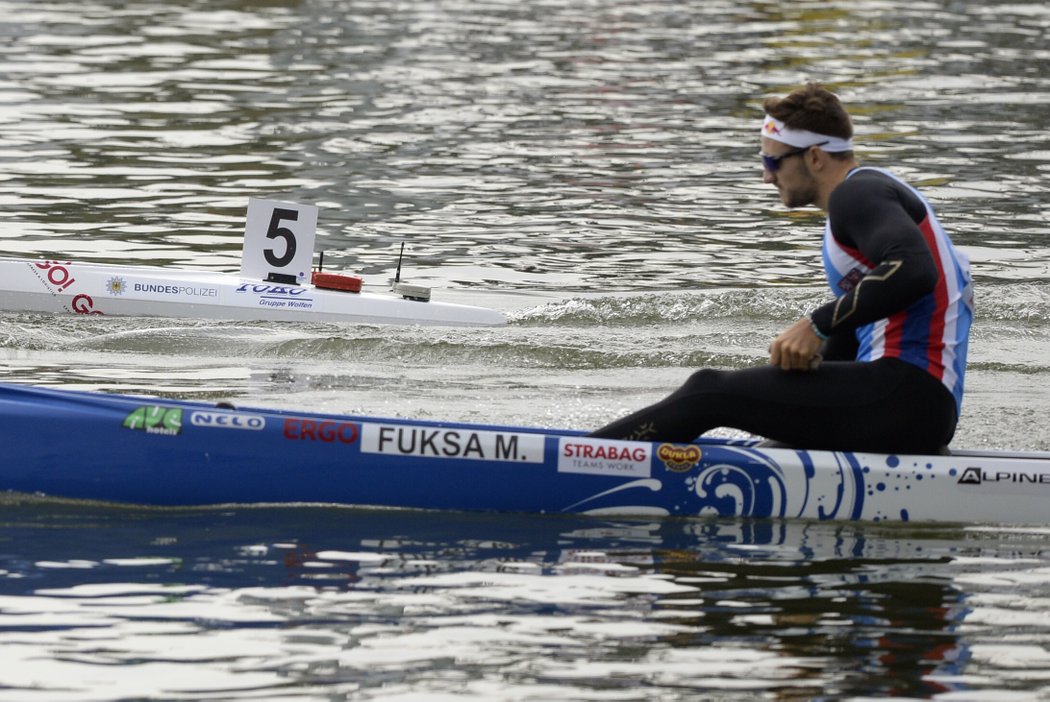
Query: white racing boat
84, 288
275, 283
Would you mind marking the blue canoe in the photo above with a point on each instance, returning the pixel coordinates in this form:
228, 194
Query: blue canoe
151, 451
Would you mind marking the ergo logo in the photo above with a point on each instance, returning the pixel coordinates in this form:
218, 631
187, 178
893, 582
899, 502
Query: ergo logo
327, 431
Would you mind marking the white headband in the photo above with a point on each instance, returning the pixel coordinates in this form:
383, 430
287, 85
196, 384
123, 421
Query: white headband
776, 130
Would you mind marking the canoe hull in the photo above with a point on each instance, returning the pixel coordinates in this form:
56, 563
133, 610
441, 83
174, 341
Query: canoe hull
161, 452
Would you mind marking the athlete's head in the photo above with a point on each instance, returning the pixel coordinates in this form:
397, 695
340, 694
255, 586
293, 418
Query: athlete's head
802, 135
811, 108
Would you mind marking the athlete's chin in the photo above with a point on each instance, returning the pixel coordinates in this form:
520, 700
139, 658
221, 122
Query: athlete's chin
795, 198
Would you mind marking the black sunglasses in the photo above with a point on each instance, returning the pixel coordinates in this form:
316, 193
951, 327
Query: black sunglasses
772, 163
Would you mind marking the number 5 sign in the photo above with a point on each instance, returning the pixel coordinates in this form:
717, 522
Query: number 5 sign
278, 238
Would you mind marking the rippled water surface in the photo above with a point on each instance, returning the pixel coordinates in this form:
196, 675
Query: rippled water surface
589, 168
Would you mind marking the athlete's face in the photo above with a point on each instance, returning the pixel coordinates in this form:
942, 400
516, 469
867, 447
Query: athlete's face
791, 176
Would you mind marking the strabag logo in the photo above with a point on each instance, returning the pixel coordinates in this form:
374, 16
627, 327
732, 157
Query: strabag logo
154, 419
976, 476
431, 442
228, 420
625, 459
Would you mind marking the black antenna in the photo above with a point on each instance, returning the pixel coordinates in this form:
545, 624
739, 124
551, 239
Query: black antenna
397, 276
320, 263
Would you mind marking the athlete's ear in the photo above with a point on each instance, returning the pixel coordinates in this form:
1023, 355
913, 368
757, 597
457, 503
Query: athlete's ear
816, 159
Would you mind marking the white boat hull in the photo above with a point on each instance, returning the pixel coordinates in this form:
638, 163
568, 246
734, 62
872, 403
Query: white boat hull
82, 288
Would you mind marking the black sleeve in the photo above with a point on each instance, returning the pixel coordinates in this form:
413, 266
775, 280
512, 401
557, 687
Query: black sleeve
840, 346
876, 215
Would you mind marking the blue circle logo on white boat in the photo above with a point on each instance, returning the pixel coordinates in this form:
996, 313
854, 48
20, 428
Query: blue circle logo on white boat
116, 285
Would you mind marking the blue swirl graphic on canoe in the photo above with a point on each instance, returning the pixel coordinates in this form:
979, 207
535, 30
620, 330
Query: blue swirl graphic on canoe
742, 481
749, 482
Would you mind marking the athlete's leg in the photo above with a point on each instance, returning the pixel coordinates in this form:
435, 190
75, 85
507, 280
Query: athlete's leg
886, 406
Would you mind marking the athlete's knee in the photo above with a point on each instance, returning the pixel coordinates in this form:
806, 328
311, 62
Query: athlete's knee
704, 380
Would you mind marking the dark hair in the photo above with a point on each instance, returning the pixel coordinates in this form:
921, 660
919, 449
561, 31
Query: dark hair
812, 108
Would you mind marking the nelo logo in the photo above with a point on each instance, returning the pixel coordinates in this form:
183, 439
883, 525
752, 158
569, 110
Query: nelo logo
228, 420
327, 431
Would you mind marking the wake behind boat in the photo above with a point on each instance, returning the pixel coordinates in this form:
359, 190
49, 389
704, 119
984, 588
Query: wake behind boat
164, 452
85, 288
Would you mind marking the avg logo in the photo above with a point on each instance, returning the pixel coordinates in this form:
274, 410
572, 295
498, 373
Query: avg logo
153, 419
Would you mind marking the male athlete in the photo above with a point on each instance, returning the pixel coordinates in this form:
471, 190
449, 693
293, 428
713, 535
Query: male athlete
879, 368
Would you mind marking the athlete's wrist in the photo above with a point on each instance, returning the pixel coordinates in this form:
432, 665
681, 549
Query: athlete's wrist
816, 330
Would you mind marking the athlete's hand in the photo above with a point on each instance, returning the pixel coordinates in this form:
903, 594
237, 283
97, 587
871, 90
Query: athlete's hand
797, 347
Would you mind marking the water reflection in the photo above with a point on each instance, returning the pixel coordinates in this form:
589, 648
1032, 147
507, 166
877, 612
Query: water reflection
267, 598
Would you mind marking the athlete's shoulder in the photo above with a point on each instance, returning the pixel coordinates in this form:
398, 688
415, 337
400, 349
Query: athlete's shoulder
870, 189
865, 182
